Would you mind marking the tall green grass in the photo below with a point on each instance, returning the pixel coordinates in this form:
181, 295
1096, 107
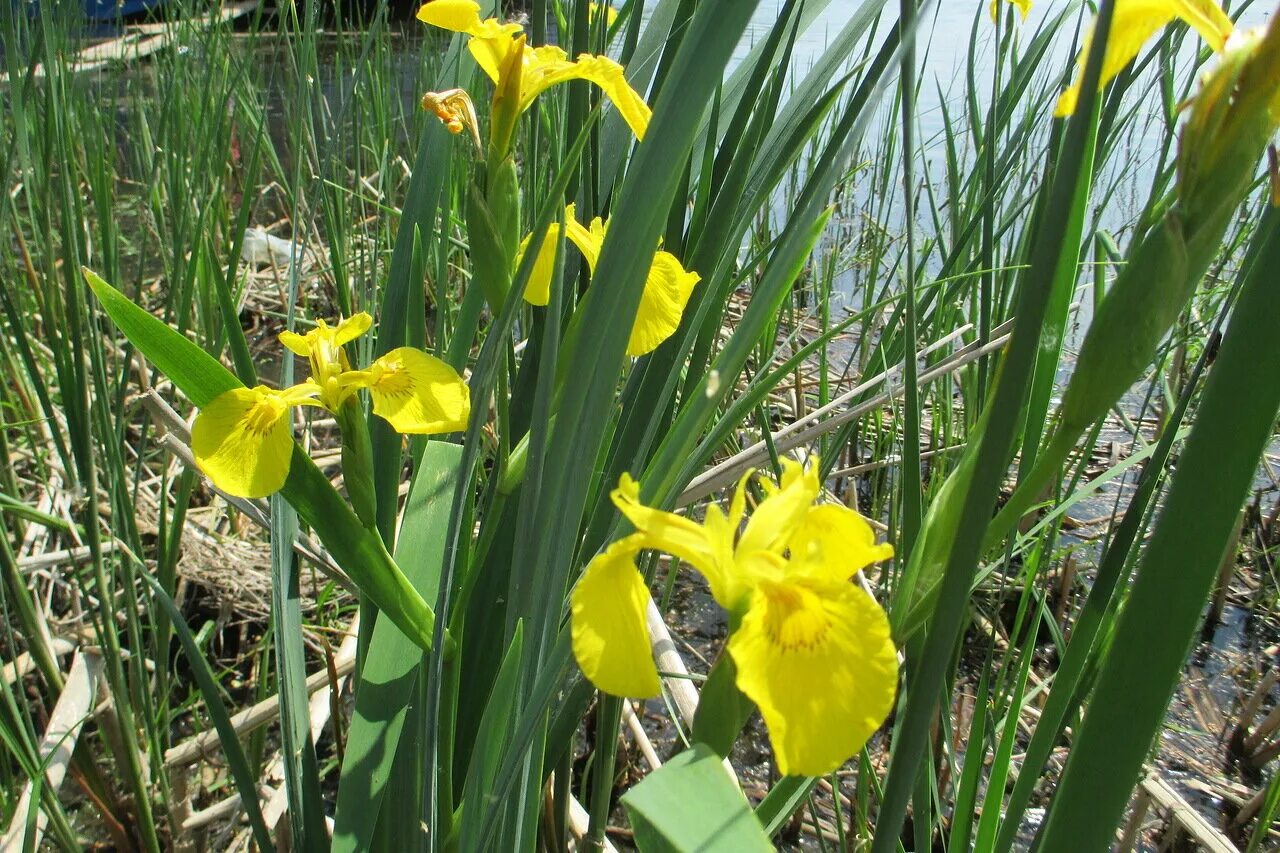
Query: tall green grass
850, 243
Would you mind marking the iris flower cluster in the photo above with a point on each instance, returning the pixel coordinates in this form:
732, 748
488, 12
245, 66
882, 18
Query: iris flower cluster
812, 649
243, 440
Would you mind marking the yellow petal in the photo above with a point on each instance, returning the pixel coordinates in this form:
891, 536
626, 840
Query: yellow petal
600, 70
818, 660
1024, 7
351, 328
296, 343
1132, 24
835, 542
538, 290
666, 293
610, 13
679, 536
589, 241
780, 514
461, 16
610, 639
490, 38
418, 393
243, 440
491, 53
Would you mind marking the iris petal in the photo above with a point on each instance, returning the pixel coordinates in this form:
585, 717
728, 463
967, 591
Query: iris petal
610, 639
818, 660
538, 290
685, 539
1024, 8
243, 441
351, 328
491, 53
588, 240
1133, 23
418, 393
780, 514
666, 293
460, 16
548, 69
834, 542
296, 343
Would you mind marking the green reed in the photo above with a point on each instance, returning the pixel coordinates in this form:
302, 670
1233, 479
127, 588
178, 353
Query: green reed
835, 239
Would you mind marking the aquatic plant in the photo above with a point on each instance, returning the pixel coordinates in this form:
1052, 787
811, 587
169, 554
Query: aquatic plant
639, 313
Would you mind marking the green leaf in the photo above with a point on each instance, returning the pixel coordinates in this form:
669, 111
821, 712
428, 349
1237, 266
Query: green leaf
722, 708
782, 801
927, 668
692, 803
358, 550
241, 774
196, 373
301, 773
1236, 417
494, 723
393, 661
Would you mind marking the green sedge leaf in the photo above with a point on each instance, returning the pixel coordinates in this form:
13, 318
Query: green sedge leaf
196, 373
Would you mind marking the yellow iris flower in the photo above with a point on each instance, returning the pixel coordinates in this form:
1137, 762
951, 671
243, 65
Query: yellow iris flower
491, 45
812, 650
243, 439
666, 290
595, 10
1135, 21
1024, 8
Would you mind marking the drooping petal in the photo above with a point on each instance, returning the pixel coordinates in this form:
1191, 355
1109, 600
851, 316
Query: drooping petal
589, 241
678, 536
610, 639
834, 542
1133, 23
780, 514
243, 440
1024, 8
490, 38
460, 16
491, 52
818, 660
418, 393
548, 70
666, 293
538, 290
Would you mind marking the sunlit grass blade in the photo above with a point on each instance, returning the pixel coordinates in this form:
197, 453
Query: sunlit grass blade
241, 773
926, 673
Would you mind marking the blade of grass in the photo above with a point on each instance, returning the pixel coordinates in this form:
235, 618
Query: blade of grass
1172, 583
926, 673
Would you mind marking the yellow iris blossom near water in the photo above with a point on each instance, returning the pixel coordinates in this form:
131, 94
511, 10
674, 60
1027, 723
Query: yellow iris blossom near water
492, 43
243, 440
666, 289
1134, 22
1024, 8
812, 649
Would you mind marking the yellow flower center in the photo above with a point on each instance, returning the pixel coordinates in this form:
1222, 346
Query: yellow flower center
795, 619
263, 415
391, 379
